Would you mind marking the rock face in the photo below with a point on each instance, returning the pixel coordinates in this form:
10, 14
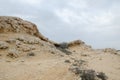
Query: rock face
76, 43
19, 37
110, 50
17, 25
3, 45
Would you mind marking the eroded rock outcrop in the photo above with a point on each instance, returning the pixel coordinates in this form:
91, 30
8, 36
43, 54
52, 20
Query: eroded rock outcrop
3, 45
18, 25
110, 50
18, 37
75, 43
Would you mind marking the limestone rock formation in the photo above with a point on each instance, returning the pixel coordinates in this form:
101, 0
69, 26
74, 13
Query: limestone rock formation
76, 43
3, 45
79, 45
21, 36
18, 25
110, 50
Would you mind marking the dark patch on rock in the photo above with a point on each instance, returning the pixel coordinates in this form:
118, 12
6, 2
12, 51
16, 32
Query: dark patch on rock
67, 61
31, 54
52, 52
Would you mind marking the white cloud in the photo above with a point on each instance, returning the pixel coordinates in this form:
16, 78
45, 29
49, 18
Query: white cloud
78, 4
97, 22
30, 2
64, 15
72, 17
104, 18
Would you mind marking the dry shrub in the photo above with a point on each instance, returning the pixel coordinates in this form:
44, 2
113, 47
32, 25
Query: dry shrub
86, 74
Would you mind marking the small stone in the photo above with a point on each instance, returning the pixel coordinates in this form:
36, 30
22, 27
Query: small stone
8, 61
52, 52
31, 54
85, 55
22, 61
62, 55
38, 63
67, 61
74, 51
3, 45
100, 58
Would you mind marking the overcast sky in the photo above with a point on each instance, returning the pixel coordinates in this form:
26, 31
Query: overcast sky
96, 22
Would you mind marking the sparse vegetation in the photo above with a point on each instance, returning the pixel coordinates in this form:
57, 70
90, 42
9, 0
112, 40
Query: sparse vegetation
92, 75
67, 52
63, 45
102, 76
86, 74
26, 54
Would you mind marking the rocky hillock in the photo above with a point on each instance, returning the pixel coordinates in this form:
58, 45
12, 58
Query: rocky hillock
25, 54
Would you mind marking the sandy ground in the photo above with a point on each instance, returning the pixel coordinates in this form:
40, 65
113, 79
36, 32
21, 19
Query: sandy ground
42, 69
47, 66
